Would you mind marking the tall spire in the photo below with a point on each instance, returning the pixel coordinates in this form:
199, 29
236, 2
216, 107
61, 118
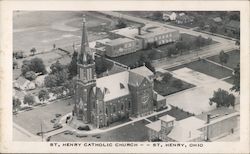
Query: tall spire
85, 42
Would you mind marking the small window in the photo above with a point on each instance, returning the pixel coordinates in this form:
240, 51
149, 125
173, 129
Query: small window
107, 111
114, 109
122, 107
122, 86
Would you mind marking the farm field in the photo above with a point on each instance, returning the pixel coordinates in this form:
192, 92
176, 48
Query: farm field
43, 29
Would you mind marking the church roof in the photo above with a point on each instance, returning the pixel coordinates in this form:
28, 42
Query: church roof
116, 85
111, 85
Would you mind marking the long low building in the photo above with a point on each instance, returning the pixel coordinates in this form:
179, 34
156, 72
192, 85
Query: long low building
131, 39
207, 126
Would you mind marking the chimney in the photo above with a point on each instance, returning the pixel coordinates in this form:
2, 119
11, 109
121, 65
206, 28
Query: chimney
208, 118
139, 30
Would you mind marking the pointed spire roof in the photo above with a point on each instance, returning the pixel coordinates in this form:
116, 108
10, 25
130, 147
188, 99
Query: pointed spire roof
84, 42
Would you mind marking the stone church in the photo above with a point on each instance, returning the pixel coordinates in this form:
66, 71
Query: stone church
102, 101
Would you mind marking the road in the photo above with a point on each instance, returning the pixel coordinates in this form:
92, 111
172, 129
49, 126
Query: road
223, 44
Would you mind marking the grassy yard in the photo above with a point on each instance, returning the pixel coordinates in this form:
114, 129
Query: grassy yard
165, 89
229, 80
206, 68
32, 120
174, 112
234, 58
133, 132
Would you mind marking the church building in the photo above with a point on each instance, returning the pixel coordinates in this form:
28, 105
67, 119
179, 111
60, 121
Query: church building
102, 101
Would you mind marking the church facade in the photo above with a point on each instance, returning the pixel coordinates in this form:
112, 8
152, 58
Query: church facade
102, 101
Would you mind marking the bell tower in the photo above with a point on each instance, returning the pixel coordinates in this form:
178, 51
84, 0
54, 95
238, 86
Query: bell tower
86, 79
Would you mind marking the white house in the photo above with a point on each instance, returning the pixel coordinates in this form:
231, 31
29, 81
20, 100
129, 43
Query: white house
169, 16
24, 84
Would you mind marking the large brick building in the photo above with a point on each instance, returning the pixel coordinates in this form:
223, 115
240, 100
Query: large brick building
102, 101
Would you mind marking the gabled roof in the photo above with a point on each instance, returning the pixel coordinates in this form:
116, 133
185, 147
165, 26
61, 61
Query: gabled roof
21, 80
110, 85
143, 71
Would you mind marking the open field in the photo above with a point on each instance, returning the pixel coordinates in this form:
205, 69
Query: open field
234, 58
206, 68
41, 29
132, 132
32, 120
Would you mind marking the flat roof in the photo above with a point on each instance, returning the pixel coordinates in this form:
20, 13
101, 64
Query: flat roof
167, 118
156, 126
216, 113
119, 41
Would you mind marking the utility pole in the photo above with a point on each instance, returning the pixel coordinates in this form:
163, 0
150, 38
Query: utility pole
42, 131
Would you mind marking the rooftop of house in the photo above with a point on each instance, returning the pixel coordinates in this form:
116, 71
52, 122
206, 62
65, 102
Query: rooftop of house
143, 71
217, 19
216, 114
21, 80
156, 126
167, 118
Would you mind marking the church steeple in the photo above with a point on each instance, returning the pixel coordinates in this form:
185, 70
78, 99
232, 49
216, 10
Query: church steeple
84, 43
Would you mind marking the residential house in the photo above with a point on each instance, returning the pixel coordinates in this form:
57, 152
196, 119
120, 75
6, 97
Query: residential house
166, 16
24, 84
183, 19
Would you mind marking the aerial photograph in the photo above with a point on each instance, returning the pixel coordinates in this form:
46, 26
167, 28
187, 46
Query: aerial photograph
126, 76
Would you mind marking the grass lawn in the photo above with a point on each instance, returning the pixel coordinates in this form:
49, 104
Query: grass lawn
234, 58
206, 68
165, 89
174, 112
133, 132
229, 80
31, 120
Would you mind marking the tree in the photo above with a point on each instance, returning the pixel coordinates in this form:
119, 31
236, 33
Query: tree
121, 24
236, 79
167, 77
36, 65
16, 103
56, 67
72, 69
43, 95
202, 25
213, 29
235, 16
30, 75
177, 83
181, 46
15, 64
157, 15
33, 50
101, 65
222, 98
29, 99
223, 57
50, 81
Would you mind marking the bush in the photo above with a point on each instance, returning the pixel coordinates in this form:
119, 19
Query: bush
30, 75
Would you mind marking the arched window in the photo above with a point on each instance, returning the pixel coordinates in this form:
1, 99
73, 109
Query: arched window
122, 107
107, 111
129, 105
